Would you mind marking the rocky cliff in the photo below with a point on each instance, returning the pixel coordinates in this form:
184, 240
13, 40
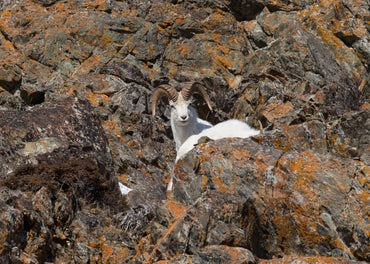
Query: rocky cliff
76, 79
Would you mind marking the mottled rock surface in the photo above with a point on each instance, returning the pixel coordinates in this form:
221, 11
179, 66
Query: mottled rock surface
56, 169
76, 79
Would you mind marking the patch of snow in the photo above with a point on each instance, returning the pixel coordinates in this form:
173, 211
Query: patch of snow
124, 189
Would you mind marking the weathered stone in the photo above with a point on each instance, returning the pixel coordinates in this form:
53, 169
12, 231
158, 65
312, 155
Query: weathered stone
24, 229
11, 73
298, 68
54, 133
225, 253
319, 188
125, 71
306, 260
66, 151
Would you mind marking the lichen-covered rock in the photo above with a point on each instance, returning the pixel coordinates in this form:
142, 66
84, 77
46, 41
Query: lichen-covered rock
306, 260
54, 159
294, 203
298, 68
53, 133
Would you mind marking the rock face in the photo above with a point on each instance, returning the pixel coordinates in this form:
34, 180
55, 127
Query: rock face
287, 202
55, 160
76, 79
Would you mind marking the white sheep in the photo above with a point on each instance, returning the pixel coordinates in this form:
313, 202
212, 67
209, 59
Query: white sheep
184, 118
187, 127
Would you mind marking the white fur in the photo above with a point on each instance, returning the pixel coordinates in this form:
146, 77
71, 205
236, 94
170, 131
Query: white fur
227, 129
185, 121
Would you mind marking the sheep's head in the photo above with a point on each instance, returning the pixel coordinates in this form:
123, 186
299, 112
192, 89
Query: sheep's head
180, 101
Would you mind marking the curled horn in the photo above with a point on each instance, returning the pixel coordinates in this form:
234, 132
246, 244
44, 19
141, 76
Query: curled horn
195, 87
163, 90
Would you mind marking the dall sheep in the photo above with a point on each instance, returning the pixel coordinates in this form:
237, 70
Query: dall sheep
184, 118
187, 127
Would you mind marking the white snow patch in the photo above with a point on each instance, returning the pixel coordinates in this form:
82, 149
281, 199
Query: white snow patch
124, 189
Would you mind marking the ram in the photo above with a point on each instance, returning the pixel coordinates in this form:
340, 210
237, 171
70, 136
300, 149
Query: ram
187, 127
184, 118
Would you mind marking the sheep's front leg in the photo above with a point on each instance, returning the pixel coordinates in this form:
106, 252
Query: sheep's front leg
170, 184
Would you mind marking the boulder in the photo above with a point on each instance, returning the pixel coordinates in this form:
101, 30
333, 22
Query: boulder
272, 202
54, 158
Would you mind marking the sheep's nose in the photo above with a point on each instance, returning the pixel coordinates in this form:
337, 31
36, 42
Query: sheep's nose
184, 117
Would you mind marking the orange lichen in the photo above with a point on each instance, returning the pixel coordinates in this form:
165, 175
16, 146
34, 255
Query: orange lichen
113, 254
313, 17
297, 259
178, 212
275, 110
